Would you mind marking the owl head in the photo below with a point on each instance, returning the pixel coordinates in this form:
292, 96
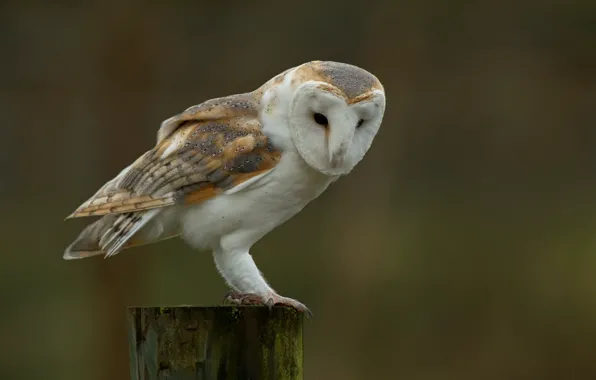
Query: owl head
332, 112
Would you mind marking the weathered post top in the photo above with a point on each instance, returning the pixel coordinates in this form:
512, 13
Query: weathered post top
204, 343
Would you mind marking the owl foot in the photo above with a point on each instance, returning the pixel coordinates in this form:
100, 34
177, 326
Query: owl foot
272, 299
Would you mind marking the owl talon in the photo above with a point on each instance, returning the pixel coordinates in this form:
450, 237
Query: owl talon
231, 297
240, 299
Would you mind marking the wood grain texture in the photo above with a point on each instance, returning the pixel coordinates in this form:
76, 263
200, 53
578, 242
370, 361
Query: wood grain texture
227, 342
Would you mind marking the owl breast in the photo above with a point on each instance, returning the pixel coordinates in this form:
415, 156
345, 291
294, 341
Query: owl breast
238, 220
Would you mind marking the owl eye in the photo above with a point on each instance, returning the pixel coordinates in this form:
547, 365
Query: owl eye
359, 123
321, 119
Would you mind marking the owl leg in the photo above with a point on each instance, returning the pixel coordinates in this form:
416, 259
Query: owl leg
239, 270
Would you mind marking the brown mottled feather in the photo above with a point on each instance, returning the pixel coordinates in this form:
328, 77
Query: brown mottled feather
210, 148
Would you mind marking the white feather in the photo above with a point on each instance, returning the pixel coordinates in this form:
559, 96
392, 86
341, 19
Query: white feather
236, 220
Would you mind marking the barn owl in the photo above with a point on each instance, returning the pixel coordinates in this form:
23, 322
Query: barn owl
226, 172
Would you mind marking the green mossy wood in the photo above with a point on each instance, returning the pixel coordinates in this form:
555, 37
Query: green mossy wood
205, 343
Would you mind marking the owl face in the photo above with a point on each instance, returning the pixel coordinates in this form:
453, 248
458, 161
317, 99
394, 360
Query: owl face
334, 114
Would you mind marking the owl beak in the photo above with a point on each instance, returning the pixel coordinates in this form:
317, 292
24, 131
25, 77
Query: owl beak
339, 144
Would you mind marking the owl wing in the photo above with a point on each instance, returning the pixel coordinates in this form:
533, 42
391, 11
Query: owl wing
215, 147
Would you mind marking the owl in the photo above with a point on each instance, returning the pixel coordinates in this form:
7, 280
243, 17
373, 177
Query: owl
226, 172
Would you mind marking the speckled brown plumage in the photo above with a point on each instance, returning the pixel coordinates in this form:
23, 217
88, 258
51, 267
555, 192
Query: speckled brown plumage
205, 156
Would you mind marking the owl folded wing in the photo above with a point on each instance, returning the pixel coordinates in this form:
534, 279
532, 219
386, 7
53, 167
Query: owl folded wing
199, 155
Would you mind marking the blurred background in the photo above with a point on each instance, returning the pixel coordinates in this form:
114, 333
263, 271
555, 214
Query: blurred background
462, 247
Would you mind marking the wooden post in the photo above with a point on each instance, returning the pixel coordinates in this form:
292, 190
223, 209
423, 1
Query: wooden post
208, 343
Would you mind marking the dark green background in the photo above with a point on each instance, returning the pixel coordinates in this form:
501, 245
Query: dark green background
462, 247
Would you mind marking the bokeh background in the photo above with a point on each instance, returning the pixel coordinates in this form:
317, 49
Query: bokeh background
462, 247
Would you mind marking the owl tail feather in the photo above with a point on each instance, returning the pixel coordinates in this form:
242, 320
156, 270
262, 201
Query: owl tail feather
109, 235
87, 243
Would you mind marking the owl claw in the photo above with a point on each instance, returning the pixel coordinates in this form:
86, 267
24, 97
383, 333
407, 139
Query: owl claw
240, 299
232, 297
